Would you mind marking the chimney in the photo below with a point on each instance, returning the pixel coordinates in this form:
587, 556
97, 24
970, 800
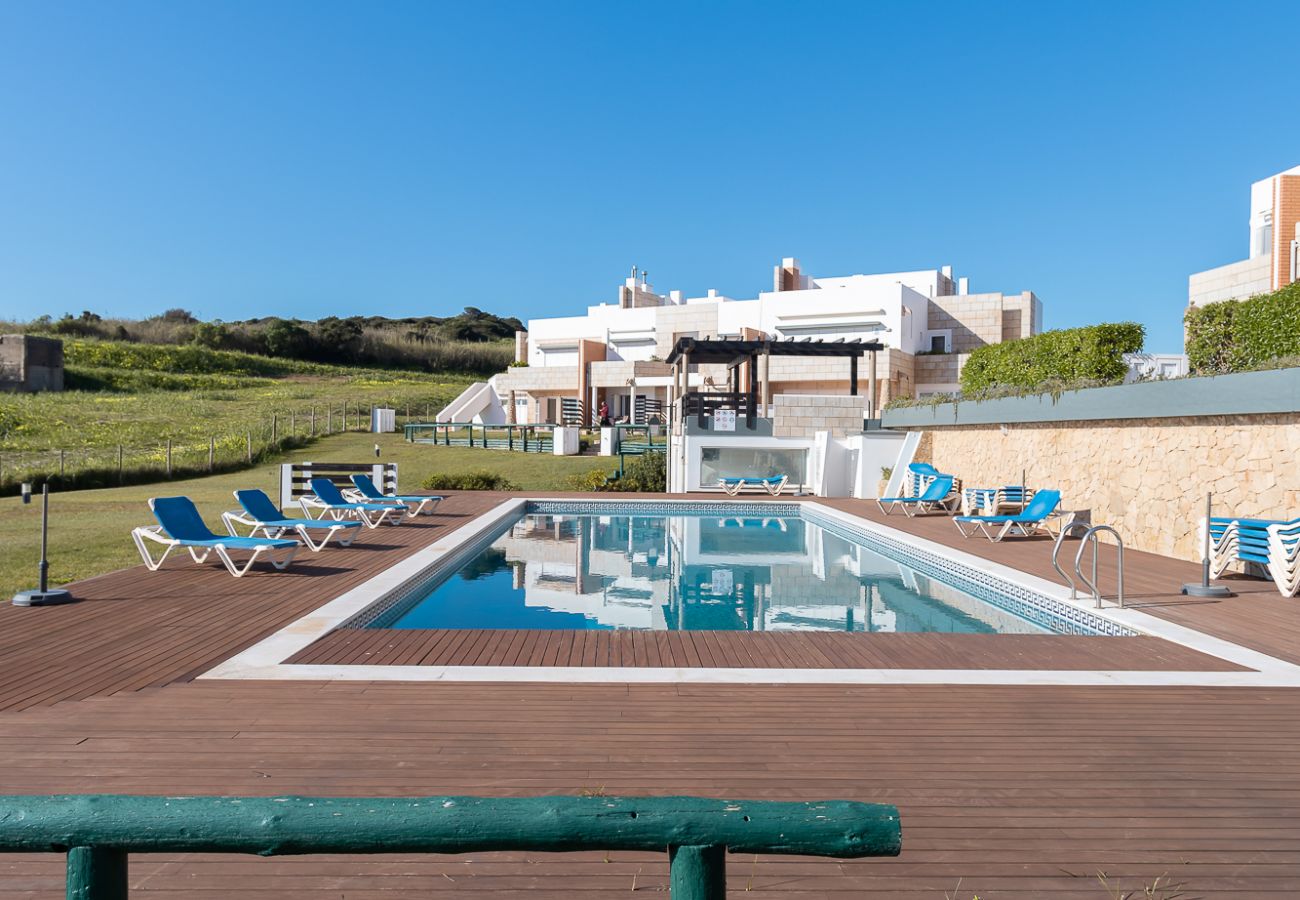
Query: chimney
963, 286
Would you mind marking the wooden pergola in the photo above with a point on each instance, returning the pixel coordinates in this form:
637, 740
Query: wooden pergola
744, 357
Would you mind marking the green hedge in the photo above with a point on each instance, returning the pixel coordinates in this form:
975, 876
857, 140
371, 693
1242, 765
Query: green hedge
1092, 353
187, 360
1239, 335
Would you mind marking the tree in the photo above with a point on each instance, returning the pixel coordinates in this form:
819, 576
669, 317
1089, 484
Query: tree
282, 337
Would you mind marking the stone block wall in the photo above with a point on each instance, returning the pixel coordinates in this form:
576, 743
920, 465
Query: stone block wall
1146, 477
30, 363
803, 415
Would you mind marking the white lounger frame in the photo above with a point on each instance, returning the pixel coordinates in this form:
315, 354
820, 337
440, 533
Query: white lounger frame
371, 518
413, 507
1024, 529
234, 517
146, 534
731, 490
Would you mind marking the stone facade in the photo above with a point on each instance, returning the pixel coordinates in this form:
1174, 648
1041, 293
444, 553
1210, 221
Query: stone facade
979, 319
1234, 281
30, 363
1146, 477
801, 415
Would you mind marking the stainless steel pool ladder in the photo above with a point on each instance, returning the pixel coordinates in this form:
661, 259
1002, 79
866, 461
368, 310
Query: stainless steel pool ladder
1089, 537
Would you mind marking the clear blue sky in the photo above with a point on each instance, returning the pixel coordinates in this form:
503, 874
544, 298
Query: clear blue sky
308, 159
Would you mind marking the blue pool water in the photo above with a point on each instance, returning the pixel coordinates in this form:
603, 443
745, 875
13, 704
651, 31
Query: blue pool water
697, 572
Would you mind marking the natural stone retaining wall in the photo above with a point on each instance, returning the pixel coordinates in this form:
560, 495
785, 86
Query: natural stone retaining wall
1146, 477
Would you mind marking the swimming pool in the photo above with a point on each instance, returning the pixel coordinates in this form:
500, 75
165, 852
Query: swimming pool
708, 567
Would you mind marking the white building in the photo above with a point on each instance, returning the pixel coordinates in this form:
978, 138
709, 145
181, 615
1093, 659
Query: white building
1274, 259
566, 367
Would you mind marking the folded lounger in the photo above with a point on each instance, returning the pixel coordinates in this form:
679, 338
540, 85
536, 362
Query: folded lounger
260, 514
415, 503
935, 496
1273, 545
1010, 498
180, 525
1033, 519
773, 484
329, 500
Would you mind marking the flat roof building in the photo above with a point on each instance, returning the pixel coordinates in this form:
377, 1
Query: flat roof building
1274, 247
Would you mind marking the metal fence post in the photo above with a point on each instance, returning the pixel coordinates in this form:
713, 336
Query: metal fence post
119, 463
61, 461
329, 420
95, 873
212, 452
275, 427
697, 873
169, 457
293, 423
248, 435
313, 421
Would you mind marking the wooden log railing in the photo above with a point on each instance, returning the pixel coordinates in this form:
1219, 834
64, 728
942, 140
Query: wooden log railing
98, 832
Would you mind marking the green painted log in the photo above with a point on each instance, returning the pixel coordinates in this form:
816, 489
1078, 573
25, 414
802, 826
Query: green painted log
271, 826
96, 874
697, 873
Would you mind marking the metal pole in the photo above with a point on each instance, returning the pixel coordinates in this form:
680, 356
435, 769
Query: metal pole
119, 463
329, 420
697, 873
61, 460
275, 427
1205, 554
248, 435
313, 421
169, 457
96, 873
212, 452
45, 537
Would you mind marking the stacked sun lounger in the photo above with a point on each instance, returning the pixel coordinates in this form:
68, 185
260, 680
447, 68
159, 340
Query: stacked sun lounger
1009, 498
1271, 544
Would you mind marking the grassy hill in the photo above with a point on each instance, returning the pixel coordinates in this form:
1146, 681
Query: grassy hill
140, 396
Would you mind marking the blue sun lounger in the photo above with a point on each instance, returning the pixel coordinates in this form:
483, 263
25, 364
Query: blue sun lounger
1033, 519
935, 496
180, 525
329, 500
259, 514
1270, 544
773, 484
414, 503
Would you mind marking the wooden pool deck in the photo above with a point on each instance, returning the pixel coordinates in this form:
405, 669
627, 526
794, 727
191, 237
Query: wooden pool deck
1009, 791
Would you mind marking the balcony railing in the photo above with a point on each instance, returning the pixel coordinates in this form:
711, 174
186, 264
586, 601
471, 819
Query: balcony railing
701, 405
97, 832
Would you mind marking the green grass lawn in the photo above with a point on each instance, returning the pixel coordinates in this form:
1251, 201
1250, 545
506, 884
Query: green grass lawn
90, 530
90, 425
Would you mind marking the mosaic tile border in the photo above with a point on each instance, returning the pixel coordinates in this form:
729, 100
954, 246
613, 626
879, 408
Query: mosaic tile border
1060, 617
1030, 605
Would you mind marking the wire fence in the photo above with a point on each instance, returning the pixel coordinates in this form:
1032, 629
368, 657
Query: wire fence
224, 451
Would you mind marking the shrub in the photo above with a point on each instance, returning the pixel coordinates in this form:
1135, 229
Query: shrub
588, 482
1092, 353
647, 473
1237, 335
477, 480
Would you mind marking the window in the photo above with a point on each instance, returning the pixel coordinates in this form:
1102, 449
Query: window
752, 462
938, 343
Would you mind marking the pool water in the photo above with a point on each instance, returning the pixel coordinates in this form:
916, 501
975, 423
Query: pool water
691, 573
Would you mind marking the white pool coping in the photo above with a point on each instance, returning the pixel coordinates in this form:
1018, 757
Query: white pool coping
265, 660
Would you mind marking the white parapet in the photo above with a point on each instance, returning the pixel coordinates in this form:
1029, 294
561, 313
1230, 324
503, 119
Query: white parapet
565, 440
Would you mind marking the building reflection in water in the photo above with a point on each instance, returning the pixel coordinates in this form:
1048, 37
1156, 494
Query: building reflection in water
699, 574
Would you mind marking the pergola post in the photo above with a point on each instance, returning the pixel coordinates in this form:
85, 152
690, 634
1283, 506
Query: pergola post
767, 378
871, 386
853, 376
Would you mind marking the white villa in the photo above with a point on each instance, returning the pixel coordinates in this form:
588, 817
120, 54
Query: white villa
566, 367
805, 412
